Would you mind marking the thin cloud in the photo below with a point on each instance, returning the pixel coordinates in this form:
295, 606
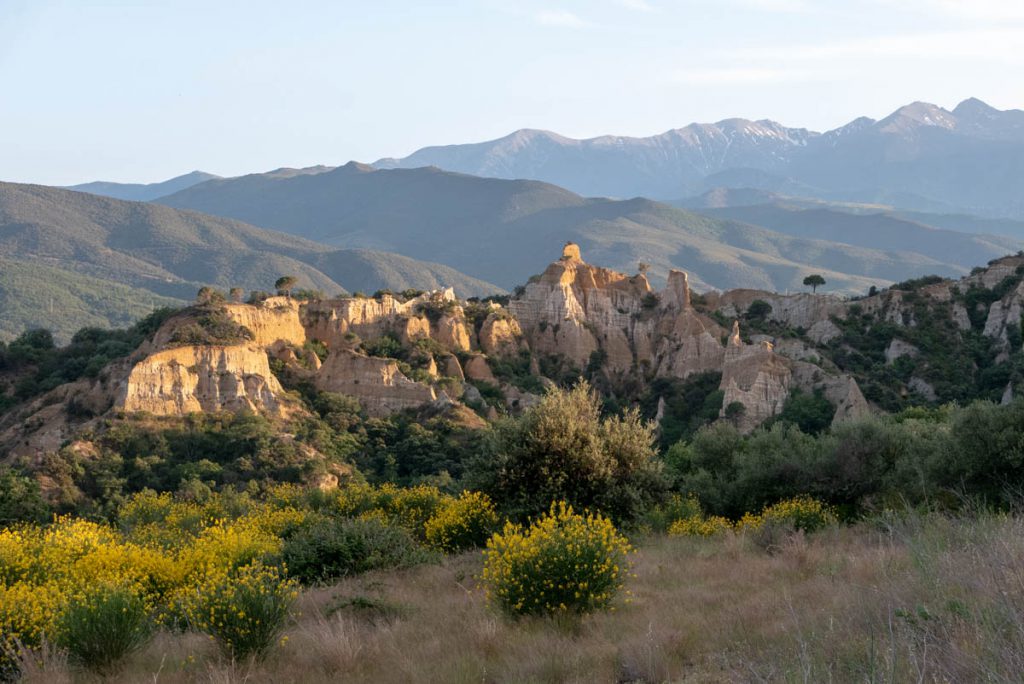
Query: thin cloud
782, 6
560, 18
980, 10
740, 76
637, 5
994, 44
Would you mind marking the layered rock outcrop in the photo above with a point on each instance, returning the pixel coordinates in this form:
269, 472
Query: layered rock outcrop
579, 310
193, 379
379, 385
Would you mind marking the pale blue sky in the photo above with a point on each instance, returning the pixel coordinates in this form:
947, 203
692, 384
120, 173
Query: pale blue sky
142, 91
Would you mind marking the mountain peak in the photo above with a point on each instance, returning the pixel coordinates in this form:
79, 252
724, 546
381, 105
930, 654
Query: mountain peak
973, 108
917, 114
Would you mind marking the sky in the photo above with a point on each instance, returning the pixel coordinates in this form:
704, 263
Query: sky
144, 91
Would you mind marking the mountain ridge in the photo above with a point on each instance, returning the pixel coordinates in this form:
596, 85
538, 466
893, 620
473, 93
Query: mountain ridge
907, 149
495, 229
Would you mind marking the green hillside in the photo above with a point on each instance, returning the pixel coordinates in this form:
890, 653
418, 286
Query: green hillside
502, 230
33, 295
154, 253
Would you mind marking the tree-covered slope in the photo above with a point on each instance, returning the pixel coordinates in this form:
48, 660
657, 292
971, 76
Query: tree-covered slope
157, 252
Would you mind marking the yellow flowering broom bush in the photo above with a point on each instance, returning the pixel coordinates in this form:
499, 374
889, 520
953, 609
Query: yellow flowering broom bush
700, 526
462, 523
688, 519
800, 513
564, 563
244, 610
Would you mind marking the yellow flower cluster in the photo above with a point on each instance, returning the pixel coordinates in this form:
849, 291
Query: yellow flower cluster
243, 610
563, 563
700, 526
162, 552
690, 520
801, 513
408, 507
462, 523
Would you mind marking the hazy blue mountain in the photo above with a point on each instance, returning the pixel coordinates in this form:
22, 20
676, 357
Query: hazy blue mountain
773, 210
143, 192
499, 230
921, 157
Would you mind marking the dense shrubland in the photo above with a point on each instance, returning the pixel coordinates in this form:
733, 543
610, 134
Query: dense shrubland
209, 524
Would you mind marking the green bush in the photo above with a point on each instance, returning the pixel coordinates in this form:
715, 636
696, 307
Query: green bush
562, 449
329, 548
102, 625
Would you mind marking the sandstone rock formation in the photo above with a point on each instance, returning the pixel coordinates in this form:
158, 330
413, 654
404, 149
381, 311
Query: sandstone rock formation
378, 384
186, 380
580, 311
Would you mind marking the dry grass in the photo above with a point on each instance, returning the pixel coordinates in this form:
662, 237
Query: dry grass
928, 600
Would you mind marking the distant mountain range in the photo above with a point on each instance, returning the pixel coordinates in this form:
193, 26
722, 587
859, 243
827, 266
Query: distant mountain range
502, 230
143, 192
921, 157
69, 259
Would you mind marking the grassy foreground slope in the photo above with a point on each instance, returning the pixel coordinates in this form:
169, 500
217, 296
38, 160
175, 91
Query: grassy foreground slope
922, 599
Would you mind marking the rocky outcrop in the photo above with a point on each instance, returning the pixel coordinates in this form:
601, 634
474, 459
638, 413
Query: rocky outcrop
273, 321
898, 348
500, 335
801, 310
756, 378
476, 368
184, 380
575, 309
823, 332
1005, 313
379, 385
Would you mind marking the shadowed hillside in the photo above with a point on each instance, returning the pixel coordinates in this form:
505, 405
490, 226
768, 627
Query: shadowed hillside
161, 253
499, 230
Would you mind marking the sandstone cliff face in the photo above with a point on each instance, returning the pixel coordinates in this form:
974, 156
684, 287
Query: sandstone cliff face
575, 309
757, 378
378, 384
1003, 313
184, 380
500, 335
801, 310
273, 321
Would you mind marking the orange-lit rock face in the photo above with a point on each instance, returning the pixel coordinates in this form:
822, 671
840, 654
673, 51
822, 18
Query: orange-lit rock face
378, 384
500, 335
185, 380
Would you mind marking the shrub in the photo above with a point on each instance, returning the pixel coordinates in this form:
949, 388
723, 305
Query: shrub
243, 611
562, 449
330, 548
700, 526
27, 614
801, 513
659, 518
103, 624
564, 563
462, 523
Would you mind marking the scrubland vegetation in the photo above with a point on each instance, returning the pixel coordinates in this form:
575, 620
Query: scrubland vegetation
926, 597
570, 543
